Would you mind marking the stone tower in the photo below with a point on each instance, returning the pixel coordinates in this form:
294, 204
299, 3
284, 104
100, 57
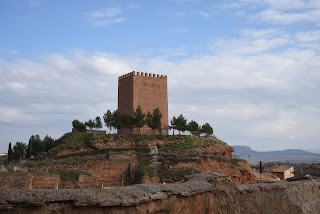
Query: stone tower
149, 91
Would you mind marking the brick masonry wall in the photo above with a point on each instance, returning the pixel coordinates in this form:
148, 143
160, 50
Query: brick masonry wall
15, 180
110, 172
125, 95
45, 182
149, 91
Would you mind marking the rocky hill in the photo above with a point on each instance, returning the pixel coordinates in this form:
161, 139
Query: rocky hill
294, 155
102, 160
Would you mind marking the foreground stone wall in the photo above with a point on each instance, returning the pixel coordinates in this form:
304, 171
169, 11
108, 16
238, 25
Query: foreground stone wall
202, 193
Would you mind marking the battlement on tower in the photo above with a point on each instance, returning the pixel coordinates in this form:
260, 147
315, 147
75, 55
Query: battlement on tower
149, 91
142, 74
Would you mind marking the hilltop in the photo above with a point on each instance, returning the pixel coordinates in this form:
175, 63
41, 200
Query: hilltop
82, 160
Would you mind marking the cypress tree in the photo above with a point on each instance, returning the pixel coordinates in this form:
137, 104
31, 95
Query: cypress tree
10, 153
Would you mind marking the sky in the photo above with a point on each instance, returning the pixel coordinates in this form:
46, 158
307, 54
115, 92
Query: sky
250, 68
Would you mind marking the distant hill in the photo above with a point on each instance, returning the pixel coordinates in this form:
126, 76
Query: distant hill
294, 155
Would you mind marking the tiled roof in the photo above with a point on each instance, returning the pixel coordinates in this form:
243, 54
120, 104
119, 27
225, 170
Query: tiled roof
281, 168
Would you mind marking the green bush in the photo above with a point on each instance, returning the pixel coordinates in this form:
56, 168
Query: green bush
77, 140
68, 175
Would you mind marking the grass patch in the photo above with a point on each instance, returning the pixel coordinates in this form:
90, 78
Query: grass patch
145, 167
173, 159
65, 175
164, 174
77, 140
191, 142
103, 151
70, 175
138, 138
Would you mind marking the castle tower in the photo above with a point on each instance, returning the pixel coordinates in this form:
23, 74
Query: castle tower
149, 91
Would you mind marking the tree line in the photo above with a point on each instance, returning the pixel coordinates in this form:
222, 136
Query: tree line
115, 121
180, 124
34, 147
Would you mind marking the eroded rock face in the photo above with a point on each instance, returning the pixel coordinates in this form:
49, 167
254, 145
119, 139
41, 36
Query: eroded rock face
201, 193
96, 144
72, 151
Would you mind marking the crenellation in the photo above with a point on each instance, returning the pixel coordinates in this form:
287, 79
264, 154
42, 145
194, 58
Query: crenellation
142, 74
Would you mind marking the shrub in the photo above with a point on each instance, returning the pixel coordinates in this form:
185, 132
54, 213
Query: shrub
68, 175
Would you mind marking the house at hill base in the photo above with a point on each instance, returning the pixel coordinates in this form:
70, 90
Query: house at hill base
282, 171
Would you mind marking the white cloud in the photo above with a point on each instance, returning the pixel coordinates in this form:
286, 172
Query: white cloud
280, 17
202, 13
249, 46
283, 124
13, 52
60, 62
134, 6
308, 36
10, 115
179, 31
286, 4
105, 17
107, 12
180, 14
293, 4
34, 4
16, 86
249, 98
263, 34
280, 12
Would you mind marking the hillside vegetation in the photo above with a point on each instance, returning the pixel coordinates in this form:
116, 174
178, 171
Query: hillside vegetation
113, 159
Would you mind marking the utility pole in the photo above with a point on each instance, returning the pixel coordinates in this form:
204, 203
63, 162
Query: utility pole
260, 169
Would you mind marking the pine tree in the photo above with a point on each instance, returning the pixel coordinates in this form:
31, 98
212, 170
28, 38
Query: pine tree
117, 119
181, 123
193, 127
78, 126
107, 118
157, 118
98, 123
139, 118
127, 120
19, 150
90, 124
207, 129
154, 120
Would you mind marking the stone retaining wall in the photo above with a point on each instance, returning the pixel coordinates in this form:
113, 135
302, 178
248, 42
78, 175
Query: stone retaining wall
15, 180
201, 193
